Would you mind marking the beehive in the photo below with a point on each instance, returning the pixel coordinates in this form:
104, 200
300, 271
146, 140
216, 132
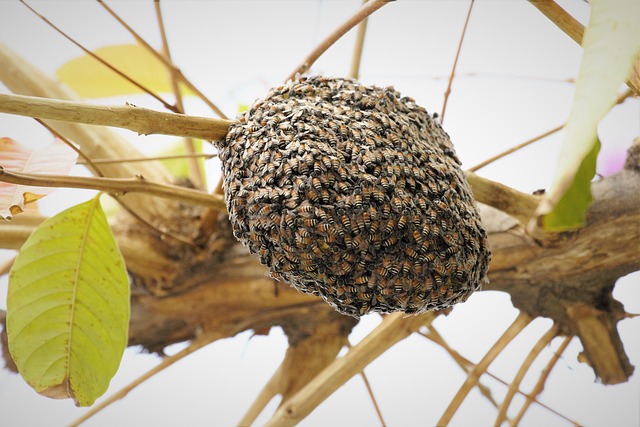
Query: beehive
354, 193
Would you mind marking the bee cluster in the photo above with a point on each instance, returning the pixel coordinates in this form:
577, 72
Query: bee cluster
354, 193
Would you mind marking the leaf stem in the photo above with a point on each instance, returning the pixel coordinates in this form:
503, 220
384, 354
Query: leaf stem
137, 119
365, 10
116, 185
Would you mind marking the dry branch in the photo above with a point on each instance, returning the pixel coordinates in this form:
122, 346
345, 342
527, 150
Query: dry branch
119, 186
575, 30
394, 328
365, 10
137, 119
472, 379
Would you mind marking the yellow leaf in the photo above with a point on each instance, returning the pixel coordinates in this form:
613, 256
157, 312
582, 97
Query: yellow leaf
91, 79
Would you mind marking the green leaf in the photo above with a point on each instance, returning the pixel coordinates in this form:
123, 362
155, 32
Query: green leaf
91, 79
68, 305
611, 44
565, 215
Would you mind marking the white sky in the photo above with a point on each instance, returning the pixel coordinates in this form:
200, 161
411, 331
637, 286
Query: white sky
512, 84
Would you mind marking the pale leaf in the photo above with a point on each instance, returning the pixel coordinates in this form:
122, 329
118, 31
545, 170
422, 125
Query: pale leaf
56, 159
611, 45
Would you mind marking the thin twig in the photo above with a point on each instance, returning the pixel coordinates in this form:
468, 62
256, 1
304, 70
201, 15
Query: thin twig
515, 148
166, 63
524, 368
195, 173
119, 186
101, 60
512, 331
621, 98
574, 29
195, 345
447, 92
149, 159
519, 205
467, 365
394, 328
354, 71
537, 389
125, 206
365, 10
370, 392
137, 119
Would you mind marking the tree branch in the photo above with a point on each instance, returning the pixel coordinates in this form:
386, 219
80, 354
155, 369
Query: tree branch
575, 30
519, 205
365, 10
137, 119
116, 185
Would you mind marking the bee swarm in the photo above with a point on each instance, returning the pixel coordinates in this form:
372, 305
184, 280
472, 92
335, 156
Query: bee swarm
355, 194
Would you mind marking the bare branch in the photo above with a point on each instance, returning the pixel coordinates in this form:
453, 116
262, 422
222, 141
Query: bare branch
623, 97
537, 389
447, 91
524, 368
195, 345
394, 328
512, 331
150, 159
168, 64
370, 392
13, 236
101, 60
519, 205
354, 71
575, 30
116, 185
137, 119
367, 9
195, 173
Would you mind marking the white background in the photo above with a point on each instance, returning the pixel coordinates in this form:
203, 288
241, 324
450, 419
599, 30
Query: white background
514, 82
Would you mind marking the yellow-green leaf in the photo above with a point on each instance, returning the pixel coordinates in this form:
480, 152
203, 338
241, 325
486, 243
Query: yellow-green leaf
91, 79
68, 305
611, 45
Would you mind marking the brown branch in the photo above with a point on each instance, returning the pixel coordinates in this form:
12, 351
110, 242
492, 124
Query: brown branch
354, 71
365, 10
101, 60
166, 63
195, 173
447, 91
137, 119
467, 365
575, 30
537, 389
519, 205
370, 393
621, 98
472, 379
394, 328
119, 186
195, 345
13, 236
524, 368
150, 159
